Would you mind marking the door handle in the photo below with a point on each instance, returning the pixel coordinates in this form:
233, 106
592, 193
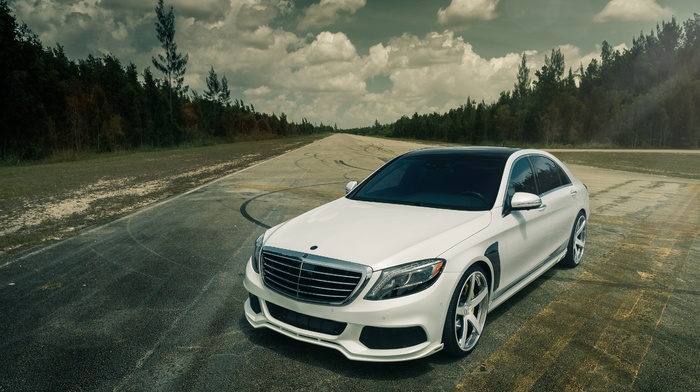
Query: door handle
574, 193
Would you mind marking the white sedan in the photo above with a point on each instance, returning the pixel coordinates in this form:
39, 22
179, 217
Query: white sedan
413, 258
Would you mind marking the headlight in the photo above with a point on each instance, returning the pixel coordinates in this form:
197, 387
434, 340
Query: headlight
406, 279
257, 250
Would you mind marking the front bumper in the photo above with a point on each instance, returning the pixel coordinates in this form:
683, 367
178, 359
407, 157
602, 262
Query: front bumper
391, 330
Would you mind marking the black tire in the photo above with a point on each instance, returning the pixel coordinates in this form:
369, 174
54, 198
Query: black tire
466, 315
577, 242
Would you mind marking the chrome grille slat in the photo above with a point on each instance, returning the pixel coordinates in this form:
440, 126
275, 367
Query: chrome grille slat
282, 272
312, 278
312, 289
329, 297
291, 282
349, 287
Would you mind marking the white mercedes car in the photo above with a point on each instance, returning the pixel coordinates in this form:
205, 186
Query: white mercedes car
414, 257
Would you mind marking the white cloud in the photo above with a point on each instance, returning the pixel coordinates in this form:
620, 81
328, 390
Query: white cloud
84, 27
435, 73
462, 12
260, 13
376, 62
327, 47
248, 59
442, 66
436, 48
632, 10
259, 92
327, 12
204, 10
262, 38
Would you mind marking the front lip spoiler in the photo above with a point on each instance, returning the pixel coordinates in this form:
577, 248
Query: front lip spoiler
261, 320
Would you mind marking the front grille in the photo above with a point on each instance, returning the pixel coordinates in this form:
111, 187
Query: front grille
312, 278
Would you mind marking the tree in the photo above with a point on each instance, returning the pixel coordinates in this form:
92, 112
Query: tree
522, 86
225, 97
606, 54
156, 132
26, 129
173, 64
550, 75
214, 88
217, 91
547, 91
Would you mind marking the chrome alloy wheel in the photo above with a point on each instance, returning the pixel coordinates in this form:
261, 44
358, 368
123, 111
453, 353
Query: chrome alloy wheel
579, 239
470, 313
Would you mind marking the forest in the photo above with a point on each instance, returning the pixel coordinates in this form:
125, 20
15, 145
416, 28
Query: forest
646, 96
51, 104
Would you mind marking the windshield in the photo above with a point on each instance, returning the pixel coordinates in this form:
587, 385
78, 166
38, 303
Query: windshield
450, 181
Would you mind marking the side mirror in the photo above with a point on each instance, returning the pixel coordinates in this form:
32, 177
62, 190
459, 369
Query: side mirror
351, 185
525, 201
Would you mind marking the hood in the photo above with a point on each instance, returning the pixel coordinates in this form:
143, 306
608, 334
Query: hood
377, 234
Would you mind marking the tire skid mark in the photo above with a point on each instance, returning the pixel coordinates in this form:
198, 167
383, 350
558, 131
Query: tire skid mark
353, 176
250, 218
244, 207
363, 150
378, 148
597, 336
297, 163
342, 163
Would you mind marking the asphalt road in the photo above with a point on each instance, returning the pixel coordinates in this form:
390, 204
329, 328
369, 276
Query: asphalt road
154, 300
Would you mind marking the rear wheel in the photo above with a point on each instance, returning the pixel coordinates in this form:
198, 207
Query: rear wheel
577, 242
466, 316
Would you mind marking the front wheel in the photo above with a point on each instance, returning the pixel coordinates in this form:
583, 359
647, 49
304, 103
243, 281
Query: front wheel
466, 316
577, 242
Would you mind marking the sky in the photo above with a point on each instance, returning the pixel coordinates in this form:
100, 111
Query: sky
349, 63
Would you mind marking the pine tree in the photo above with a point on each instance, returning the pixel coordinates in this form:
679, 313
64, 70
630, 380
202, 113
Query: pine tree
217, 91
225, 97
173, 64
522, 86
213, 86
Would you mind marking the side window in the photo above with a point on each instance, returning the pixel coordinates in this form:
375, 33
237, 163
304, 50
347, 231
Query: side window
565, 180
548, 174
522, 179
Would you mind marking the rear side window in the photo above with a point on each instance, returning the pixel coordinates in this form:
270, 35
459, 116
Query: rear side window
565, 180
549, 175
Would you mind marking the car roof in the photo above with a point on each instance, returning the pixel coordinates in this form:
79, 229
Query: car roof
485, 152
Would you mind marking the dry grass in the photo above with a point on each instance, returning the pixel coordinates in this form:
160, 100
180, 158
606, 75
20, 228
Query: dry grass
49, 201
